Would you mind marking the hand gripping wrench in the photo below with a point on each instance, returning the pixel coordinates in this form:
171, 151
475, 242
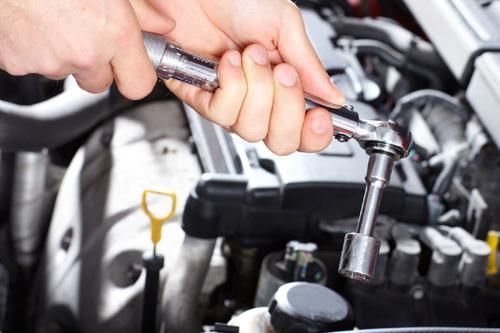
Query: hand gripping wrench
384, 141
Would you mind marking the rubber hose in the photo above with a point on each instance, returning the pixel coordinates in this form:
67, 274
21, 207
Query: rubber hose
447, 126
399, 38
449, 130
53, 122
446, 120
396, 59
422, 97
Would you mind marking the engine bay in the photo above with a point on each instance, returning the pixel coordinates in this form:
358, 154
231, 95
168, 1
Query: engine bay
254, 240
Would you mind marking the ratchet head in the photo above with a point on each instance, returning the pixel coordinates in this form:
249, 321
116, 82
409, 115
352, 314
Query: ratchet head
386, 136
382, 136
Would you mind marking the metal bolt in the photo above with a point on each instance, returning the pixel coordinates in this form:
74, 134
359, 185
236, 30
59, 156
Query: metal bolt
418, 292
341, 137
67, 239
133, 273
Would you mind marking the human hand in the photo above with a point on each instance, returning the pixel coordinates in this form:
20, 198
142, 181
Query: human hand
266, 63
96, 41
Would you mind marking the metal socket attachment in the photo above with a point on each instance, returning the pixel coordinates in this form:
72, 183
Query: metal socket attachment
359, 254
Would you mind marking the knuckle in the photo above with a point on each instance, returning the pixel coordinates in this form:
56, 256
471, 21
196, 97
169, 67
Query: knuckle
226, 120
85, 60
14, 69
51, 67
134, 93
283, 149
133, 88
97, 88
254, 134
122, 30
239, 88
82, 84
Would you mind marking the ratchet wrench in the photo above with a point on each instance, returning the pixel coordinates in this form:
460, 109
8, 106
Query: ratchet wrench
384, 141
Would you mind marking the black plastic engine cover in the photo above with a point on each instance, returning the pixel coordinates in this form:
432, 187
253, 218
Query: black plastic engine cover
257, 197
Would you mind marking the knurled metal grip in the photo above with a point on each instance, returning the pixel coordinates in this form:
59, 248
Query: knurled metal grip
155, 46
170, 61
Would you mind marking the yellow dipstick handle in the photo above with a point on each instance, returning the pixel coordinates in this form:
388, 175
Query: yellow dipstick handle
157, 222
492, 241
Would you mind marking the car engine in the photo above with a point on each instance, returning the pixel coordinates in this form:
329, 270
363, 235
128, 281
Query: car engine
254, 240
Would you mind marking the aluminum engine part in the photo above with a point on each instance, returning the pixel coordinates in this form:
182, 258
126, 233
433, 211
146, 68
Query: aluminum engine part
461, 30
34, 191
446, 254
98, 231
483, 94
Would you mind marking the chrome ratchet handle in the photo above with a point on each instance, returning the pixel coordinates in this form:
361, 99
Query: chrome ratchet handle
171, 62
345, 121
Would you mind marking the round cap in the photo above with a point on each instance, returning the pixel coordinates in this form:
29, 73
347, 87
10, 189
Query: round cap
302, 307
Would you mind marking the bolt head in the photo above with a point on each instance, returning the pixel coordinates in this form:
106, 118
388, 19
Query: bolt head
341, 137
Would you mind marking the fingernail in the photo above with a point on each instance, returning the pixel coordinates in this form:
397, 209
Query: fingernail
234, 58
286, 76
320, 125
259, 55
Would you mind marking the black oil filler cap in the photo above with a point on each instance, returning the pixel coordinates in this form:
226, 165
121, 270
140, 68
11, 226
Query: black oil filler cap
301, 307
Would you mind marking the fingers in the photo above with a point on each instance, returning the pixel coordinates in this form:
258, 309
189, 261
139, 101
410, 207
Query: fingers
296, 49
288, 111
56, 77
95, 80
317, 131
253, 119
133, 72
130, 66
259, 102
150, 19
223, 106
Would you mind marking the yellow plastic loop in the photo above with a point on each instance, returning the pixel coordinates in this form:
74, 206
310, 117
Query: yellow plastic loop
493, 243
157, 222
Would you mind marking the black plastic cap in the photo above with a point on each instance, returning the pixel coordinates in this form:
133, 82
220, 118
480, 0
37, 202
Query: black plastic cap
301, 307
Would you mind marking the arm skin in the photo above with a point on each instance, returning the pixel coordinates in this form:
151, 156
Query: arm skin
266, 62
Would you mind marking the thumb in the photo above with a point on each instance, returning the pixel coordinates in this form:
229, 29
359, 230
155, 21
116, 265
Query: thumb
296, 49
150, 19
